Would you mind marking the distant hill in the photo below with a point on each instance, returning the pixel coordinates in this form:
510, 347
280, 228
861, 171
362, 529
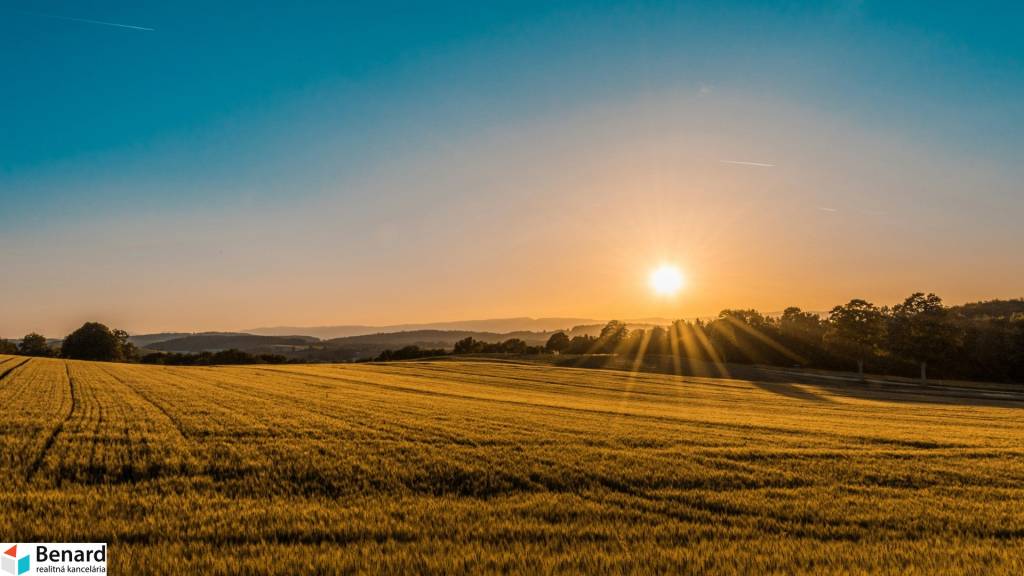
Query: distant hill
499, 326
367, 346
145, 340
441, 338
343, 349
213, 342
991, 309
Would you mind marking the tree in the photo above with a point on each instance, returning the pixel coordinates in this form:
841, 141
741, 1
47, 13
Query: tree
514, 346
129, 352
93, 341
583, 344
799, 325
920, 330
8, 347
613, 333
856, 328
657, 342
804, 333
558, 342
34, 345
467, 346
746, 336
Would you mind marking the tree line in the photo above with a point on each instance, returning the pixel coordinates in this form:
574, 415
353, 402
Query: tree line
95, 341
467, 345
917, 337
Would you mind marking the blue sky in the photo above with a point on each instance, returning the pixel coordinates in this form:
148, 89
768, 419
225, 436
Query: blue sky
233, 117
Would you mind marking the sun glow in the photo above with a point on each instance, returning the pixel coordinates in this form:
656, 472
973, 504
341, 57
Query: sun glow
667, 280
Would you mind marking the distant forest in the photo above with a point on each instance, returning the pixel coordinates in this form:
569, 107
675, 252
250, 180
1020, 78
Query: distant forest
918, 337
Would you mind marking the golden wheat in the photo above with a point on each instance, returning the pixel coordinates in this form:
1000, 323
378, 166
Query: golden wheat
466, 467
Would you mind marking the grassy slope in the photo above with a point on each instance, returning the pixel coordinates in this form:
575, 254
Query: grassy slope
469, 466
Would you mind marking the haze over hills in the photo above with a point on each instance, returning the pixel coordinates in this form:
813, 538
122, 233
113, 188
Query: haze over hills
214, 342
497, 325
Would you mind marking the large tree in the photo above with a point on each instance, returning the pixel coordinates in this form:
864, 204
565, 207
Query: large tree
801, 326
94, 341
921, 330
613, 333
803, 333
856, 329
558, 342
747, 336
34, 345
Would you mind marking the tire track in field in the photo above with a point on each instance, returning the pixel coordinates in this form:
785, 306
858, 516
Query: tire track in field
440, 433
93, 466
138, 450
277, 397
52, 438
121, 416
174, 420
7, 372
186, 385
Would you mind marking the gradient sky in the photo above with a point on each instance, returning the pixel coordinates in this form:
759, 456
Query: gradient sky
238, 164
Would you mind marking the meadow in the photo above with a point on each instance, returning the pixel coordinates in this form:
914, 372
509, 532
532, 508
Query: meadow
453, 467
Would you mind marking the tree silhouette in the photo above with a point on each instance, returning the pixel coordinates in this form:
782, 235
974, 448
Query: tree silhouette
8, 347
558, 342
919, 330
34, 345
93, 341
612, 334
856, 328
467, 346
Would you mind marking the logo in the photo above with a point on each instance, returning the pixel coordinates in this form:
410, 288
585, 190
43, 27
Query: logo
11, 564
24, 559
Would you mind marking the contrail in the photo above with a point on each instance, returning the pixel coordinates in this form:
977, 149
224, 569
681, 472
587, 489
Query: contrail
87, 21
742, 163
824, 209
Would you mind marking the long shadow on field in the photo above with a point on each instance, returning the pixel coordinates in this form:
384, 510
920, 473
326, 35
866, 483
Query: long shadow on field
885, 390
782, 380
790, 391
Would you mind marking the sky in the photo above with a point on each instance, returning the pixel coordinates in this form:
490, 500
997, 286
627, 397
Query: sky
221, 166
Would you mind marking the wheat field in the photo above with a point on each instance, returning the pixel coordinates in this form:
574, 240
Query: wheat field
466, 467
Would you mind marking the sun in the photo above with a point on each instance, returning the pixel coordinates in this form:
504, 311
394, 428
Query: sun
667, 280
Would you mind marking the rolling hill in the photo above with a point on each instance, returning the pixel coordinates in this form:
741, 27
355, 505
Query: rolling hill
213, 342
370, 345
499, 325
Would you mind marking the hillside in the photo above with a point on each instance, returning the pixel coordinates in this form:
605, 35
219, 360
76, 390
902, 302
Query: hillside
498, 325
146, 340
248, 342
436, 338
467, 467
991, 309
370, 345
346, 349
